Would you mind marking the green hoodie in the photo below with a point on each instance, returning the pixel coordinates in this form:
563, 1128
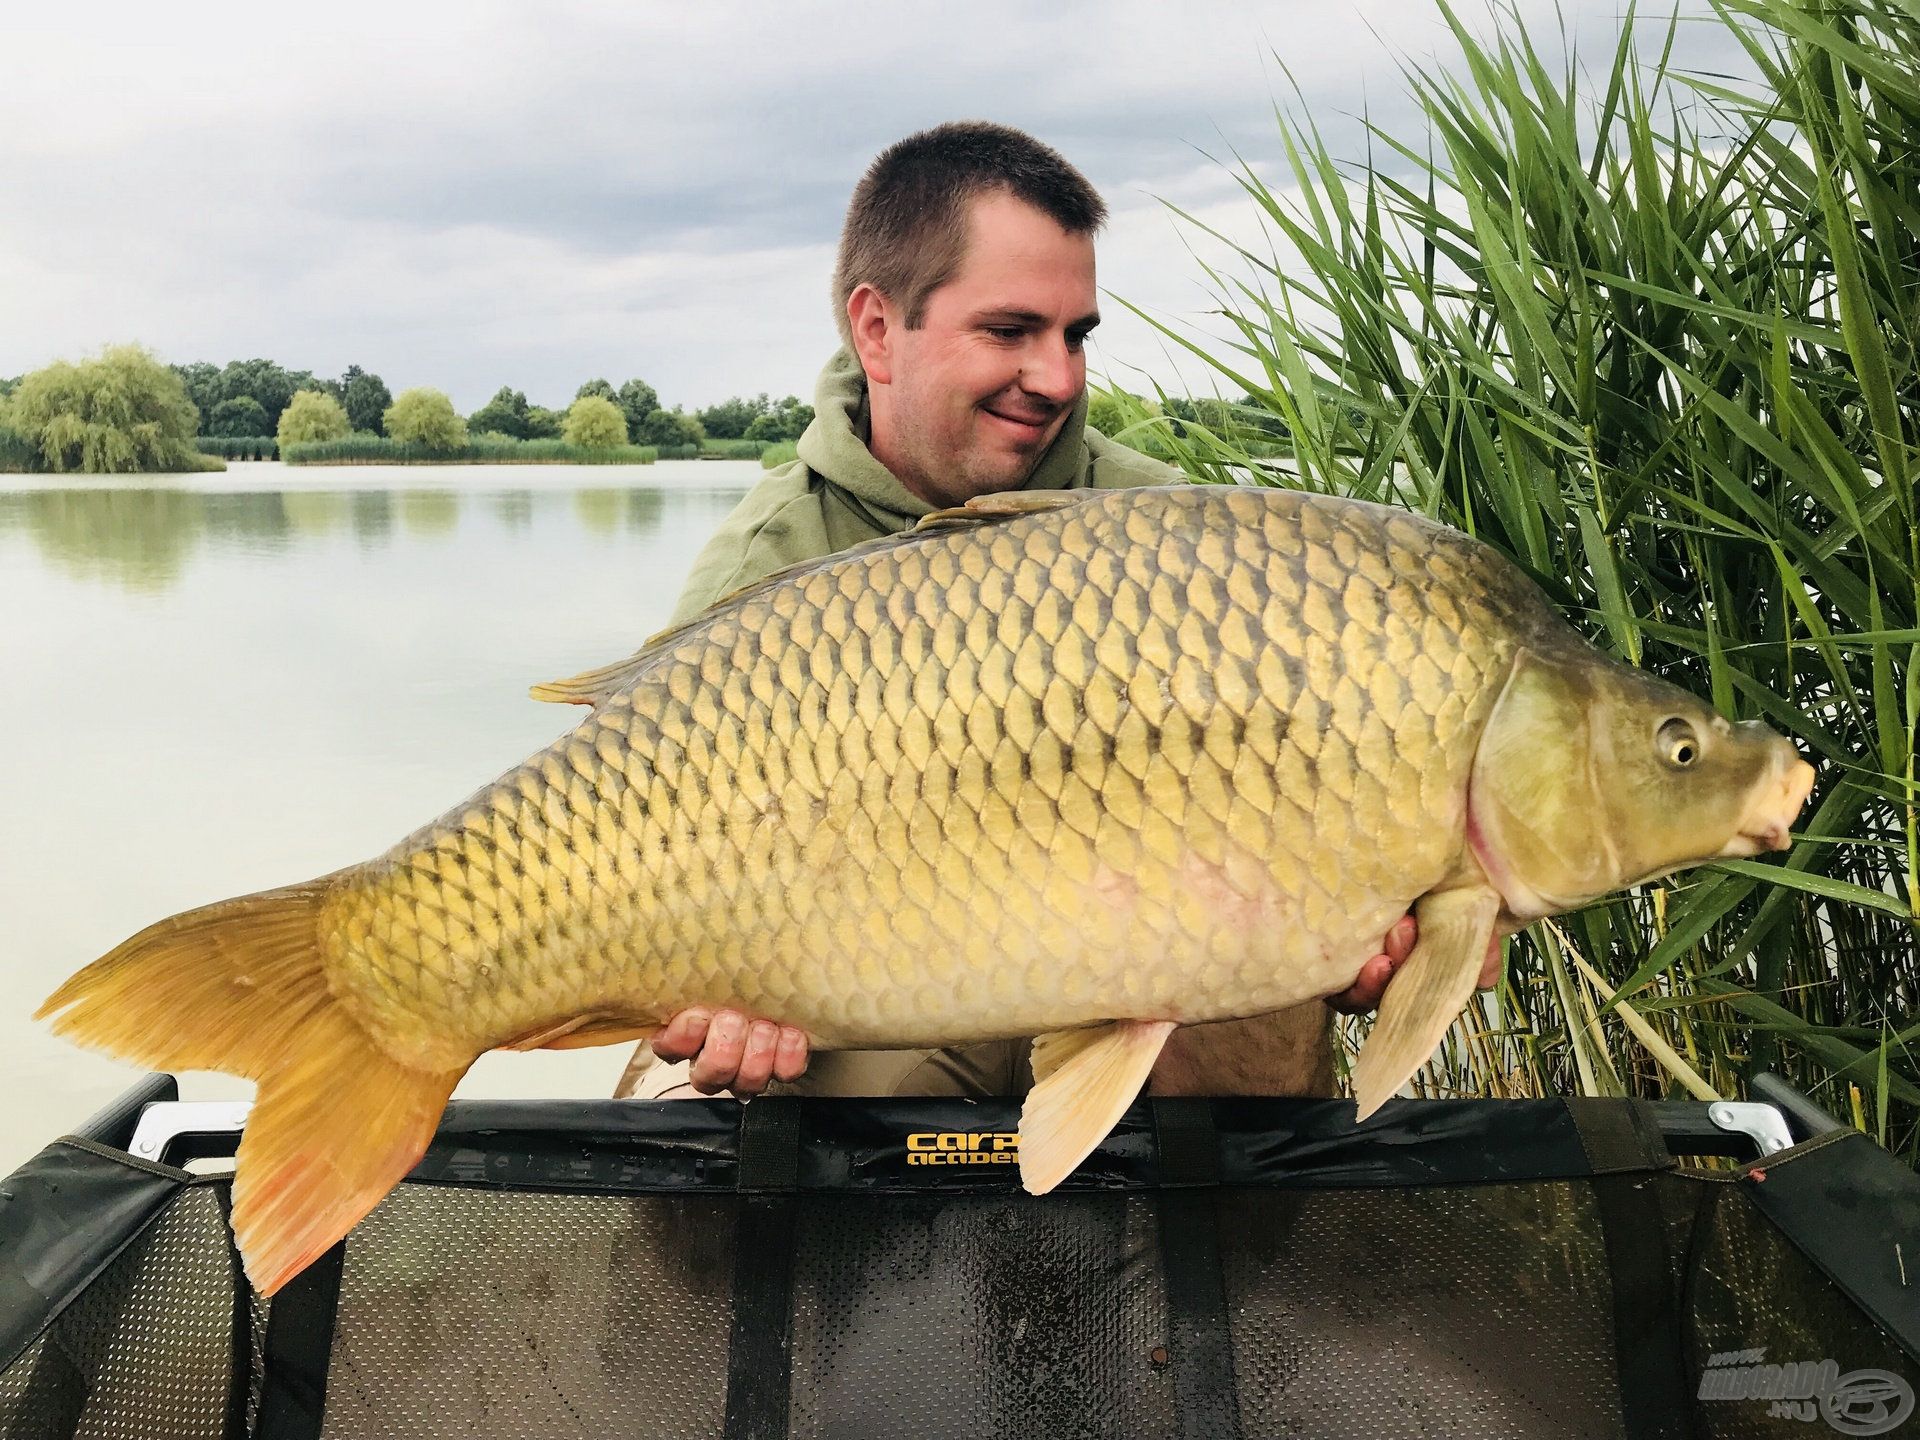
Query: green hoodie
836, 494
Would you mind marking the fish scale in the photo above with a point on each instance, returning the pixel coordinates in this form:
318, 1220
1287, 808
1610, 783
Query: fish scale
880, 799
1083, 767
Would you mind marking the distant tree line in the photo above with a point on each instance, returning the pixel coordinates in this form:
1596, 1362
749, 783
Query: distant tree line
249, 397
125, 410
648, 422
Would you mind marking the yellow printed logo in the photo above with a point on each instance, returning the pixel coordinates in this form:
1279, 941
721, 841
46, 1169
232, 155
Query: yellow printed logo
963, 1147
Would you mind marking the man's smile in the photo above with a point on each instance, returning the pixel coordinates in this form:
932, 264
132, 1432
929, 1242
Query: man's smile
1025, 427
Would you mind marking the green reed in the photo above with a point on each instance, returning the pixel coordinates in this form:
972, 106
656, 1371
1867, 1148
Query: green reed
1654, 337
239, 447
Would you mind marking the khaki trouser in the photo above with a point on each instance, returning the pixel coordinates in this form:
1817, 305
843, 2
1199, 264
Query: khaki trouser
1289, 1053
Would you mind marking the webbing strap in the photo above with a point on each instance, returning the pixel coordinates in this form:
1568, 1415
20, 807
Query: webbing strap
298, 1346
760, 1340
1649, 1355
1206, 1399
240, 1353
769, 1144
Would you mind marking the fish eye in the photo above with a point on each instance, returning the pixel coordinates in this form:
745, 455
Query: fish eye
1679, 746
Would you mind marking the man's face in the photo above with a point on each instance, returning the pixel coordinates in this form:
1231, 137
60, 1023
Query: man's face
977, 393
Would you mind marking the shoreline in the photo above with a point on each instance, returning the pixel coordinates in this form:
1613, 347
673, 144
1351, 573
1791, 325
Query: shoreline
263, 475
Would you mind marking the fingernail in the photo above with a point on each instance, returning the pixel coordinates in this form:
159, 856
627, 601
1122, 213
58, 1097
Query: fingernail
728, 1027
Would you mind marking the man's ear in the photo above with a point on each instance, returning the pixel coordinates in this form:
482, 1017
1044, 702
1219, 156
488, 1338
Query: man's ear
871, 319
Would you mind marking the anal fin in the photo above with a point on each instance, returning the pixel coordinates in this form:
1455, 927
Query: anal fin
1427, 993
1085, 1080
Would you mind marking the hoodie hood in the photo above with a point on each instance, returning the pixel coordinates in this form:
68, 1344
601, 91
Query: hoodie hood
835, 446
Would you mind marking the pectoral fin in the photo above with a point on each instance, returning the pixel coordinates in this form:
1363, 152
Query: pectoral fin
1085, 1080
1427, 993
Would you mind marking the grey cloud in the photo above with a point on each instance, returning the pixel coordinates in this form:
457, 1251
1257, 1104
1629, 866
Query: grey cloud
476, 195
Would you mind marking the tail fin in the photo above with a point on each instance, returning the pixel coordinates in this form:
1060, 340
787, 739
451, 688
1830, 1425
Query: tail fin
239, 986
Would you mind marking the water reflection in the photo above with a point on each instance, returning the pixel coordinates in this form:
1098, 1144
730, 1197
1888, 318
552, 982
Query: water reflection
607, 512
257, 517
372, 512
136, 538
315, 513
312, 670
144, 539
429, 512
514, 509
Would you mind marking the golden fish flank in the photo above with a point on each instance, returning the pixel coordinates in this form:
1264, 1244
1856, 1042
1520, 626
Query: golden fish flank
1054, 762
822, 807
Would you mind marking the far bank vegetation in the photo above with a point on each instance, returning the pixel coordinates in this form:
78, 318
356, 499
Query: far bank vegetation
124, 410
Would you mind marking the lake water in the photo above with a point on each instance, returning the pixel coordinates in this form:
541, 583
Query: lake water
213, 684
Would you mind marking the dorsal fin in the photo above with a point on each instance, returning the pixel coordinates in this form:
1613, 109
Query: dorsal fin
594, 686
590, 687
1002, 505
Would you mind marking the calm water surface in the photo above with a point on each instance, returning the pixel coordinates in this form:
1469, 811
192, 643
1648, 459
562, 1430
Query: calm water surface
213, 684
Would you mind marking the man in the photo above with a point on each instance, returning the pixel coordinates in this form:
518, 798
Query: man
964, 293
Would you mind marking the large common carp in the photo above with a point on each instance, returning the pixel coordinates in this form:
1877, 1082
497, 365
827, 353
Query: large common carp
1083, 765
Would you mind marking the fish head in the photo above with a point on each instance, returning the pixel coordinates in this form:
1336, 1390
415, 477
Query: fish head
1592, 776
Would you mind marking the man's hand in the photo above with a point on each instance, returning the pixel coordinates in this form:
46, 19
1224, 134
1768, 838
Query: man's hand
732, 1051
1371, 983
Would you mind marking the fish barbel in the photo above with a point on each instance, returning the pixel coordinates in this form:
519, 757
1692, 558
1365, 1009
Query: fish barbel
1083, 765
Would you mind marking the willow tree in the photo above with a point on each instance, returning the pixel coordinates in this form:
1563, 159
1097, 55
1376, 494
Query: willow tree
594, 423
122, 411
424, 416
313, 415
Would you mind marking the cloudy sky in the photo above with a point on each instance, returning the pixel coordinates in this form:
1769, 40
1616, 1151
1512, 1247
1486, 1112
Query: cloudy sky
476, 194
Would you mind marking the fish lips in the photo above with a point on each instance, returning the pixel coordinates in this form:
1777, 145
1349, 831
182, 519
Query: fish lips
1776, 804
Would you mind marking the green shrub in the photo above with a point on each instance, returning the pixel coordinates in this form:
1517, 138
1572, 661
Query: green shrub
774, 456
594, 423
505, 414
785, 419
240, 416
671, 428
480, 450
712, 449
425, 417
124, 411
312, 415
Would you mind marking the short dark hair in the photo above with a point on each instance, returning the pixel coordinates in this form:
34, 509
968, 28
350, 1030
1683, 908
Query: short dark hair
907, 224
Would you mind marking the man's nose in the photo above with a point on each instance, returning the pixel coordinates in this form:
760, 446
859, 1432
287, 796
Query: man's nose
1050, 370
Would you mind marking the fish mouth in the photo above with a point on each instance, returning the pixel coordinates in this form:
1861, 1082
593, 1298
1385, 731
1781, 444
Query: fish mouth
1768, 822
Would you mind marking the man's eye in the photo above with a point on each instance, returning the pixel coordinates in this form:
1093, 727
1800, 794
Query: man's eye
1004, 332
1075, 342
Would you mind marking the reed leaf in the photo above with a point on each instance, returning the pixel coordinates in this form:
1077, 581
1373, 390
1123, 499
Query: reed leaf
1651, 335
